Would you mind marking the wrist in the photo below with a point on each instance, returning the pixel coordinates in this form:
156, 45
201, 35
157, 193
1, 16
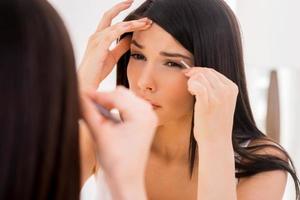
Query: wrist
219, 137
129, 188
88, 79
215, 144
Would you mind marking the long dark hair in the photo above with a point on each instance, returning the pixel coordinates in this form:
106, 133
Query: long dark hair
39, 108
209, 30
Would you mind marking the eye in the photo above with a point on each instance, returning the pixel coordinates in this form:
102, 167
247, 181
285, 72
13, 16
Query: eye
137, 56
173, 64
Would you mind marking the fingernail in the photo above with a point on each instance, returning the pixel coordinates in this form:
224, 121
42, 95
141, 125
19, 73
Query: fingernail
185, 71
128, 1
188, 74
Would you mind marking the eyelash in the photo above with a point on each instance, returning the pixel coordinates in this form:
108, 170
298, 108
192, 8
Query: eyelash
137, 56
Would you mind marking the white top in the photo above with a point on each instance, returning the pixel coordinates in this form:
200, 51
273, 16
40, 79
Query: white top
95, 187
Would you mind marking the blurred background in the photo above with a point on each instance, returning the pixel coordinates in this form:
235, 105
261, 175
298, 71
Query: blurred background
271, 39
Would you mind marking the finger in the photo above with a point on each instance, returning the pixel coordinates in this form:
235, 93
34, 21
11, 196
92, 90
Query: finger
104, 99
191, 87
201, 76
211, 89
90, 113
223, 78
100, 128
121, 48
114, 32
199, 91
125, 101
112, 13
192, 71
213, 79
201, 79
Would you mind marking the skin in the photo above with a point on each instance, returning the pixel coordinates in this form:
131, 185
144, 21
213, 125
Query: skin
161, 81
115, 141
155, 78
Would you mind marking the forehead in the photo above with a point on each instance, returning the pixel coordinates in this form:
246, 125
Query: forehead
157, 38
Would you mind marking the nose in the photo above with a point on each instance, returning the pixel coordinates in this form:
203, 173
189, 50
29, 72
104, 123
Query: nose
146, 81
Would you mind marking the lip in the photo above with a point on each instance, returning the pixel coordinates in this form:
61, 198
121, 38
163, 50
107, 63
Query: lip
154, 105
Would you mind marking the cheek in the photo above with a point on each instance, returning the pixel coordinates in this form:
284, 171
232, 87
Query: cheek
171, 92
175, 95
178, 93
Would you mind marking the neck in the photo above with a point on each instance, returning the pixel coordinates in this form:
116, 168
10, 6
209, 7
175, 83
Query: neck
172, 139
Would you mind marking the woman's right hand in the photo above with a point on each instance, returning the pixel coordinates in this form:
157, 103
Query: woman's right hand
99, 60
122, 148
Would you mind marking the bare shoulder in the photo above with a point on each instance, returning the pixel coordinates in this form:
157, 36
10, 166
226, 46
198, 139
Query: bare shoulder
254, 187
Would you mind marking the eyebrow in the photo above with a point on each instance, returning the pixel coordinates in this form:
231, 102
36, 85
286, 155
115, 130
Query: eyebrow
167, 54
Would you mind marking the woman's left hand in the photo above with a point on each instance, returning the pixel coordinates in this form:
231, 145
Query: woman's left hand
215, 103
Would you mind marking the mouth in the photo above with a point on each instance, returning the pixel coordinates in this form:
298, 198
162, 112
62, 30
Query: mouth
154, 105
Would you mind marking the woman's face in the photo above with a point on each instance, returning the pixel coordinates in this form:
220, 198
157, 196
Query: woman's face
155, 73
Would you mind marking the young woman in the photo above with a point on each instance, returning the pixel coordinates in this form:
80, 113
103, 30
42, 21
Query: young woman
39, 114
207, 145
